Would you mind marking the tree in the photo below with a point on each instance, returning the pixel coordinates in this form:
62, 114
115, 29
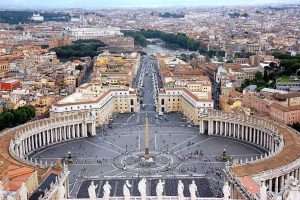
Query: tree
10, 118
20, 116
259, 76
296, 126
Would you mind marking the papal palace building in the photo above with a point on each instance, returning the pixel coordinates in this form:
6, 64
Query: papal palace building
101, 102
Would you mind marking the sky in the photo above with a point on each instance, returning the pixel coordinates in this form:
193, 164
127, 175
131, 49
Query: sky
96, 4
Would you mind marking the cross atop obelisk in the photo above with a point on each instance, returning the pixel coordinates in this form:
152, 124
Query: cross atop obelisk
146, 138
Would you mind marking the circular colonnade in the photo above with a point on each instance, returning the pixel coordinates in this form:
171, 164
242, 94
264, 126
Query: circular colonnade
272, 168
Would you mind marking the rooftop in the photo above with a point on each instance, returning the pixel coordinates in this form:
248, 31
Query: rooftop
290, 153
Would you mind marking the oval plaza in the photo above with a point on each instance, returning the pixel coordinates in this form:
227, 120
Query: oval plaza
150, 142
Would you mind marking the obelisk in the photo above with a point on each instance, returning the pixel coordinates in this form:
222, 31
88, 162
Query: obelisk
146, 139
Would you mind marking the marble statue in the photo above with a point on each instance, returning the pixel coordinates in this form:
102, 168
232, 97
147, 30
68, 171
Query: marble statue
11, 197
23, 192
180, 189
142, 188
226, 191
61, 191
126, 191
92, 191
263, 191
106, 191
159, 189
292, 190
193, 190
1, 191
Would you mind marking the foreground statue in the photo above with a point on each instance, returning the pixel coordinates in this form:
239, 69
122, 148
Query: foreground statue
106, 191
292, 189
193, 190
61, 191
92, 191
1, 191
263, 192
23, 192
126, 190
142, 188
226, 191
159, 189
10, 197
180, 189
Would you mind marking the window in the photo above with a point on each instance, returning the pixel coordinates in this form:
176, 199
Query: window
131, 102
162, 101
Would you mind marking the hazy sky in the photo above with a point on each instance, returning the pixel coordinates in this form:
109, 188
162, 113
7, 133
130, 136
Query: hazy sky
130, 3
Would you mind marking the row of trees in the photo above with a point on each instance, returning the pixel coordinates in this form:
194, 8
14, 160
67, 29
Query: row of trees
79, 48
139, 38
296, 126
11, 118
17, 17
261, 81
171, 15
179, 40
290, 64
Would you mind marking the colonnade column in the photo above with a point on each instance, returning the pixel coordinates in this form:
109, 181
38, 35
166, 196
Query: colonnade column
73, 131
276, 185
77, 131
221, 128
35, 141
281, 183
21, 150
84, 131
200, 126
210, 127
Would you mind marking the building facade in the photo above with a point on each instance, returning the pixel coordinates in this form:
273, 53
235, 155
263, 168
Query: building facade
102, 102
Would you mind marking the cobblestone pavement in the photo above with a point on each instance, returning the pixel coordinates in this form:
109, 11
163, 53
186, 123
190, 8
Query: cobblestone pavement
198, 154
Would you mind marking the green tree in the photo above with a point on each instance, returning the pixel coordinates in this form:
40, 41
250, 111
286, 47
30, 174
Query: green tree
259, 76
8, 119
20, 116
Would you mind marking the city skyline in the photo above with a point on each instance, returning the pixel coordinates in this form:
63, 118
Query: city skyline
98, 4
